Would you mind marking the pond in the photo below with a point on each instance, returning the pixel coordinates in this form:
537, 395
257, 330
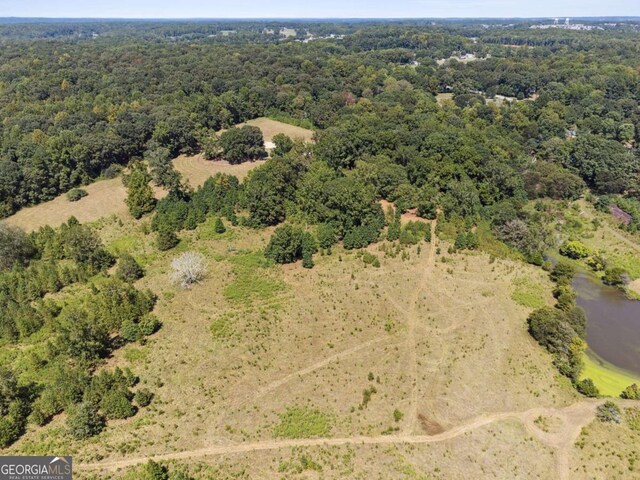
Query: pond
613, 322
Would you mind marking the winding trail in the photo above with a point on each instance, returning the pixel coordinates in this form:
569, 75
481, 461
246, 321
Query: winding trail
316, 366
573, 418
412, 320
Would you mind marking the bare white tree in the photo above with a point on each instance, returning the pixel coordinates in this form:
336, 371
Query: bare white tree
188, 268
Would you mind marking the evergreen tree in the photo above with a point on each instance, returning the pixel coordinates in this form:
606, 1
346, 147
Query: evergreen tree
166, 239
140, 199
219, 226
427, 235
307, 260
84, 421
128, 269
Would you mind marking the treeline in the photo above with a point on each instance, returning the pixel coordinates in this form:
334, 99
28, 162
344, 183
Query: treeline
65, 339
74, 109
469, 162
562, 330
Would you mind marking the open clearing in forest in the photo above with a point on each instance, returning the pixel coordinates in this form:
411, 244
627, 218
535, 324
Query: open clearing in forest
106, 197
195, 169
364, 372
270, 128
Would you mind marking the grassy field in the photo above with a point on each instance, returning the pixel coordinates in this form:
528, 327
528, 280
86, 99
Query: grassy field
343, 371
195, 169
431, 346
610, 380
622, 249
106, 197
441, 98
270, 128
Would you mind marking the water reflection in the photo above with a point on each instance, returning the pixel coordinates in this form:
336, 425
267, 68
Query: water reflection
613, 321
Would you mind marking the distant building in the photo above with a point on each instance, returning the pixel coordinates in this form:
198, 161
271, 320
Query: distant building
567, 25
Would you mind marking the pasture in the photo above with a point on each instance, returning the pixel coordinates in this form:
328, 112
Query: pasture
355, 371
419, 347
106, 197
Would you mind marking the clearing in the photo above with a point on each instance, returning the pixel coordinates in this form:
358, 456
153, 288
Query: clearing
271, 128
258, 358
106, 197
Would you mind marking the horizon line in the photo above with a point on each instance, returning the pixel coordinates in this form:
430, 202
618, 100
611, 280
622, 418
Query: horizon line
323, 18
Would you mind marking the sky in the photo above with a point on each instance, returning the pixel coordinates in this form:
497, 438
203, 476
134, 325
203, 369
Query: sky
317, 9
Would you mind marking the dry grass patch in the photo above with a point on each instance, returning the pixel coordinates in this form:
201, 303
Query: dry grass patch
329, 354
106, 197
196, 170
606, 450
271, 128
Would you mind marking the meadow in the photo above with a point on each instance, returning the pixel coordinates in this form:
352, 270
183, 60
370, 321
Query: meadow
106, 197
347, 369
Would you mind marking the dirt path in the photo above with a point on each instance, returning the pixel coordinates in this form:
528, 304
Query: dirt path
570, 420
412, 320
316, 366
623, 238
573, 419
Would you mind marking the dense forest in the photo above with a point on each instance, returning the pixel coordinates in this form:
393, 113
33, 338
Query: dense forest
535, 114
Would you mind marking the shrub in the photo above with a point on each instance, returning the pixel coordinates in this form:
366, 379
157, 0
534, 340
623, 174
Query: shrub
587, 388
574, 249
615, 276
307, 260
128, 269
154, 471
149, 324
632, 416
461, 241
13, 422
597, 262
562, 273
84, 421
549, 328
166, 239
76, 194
394, 230
143, 397
219, 226
326, 236
577, 318
116, 405
188, 268
609, 412
370, 259
361, 236
82, 244
290, 243
632, 392
130, 331
397, 415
